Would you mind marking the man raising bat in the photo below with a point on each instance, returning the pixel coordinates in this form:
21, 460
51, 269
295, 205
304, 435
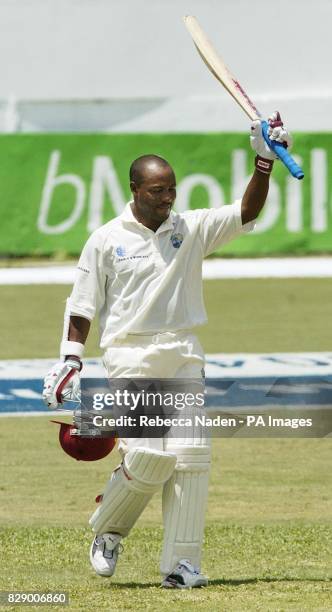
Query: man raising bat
141, 272
218, 68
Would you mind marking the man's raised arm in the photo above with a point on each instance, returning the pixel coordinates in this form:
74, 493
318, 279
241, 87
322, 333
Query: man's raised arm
258, 187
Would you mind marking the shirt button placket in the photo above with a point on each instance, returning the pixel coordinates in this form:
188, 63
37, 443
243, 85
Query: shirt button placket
159, 263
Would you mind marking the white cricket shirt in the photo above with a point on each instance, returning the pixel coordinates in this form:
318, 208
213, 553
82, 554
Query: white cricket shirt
140, 281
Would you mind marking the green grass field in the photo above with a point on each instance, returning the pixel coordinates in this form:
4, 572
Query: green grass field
260, 315
268, 538
268, 541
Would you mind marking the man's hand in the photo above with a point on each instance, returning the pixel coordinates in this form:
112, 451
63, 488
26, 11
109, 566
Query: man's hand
276, 132
62, 382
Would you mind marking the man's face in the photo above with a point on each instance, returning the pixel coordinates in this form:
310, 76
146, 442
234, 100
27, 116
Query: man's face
155, 195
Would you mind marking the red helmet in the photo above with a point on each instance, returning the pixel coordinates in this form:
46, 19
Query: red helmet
83, 449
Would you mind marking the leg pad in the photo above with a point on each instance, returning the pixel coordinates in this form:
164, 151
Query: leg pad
130, 489
184, 504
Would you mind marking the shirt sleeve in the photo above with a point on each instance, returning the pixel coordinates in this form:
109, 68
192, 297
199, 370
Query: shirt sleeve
88, 294
217, 226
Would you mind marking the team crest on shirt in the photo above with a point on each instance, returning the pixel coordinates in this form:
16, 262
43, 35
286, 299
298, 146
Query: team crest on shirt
120, 251
177, 240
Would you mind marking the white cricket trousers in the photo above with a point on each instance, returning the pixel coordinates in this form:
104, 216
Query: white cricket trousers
167, 355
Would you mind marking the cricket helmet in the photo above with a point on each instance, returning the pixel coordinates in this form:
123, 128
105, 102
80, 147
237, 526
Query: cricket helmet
83, 449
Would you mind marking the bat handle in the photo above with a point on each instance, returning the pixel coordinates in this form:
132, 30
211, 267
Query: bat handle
282, 153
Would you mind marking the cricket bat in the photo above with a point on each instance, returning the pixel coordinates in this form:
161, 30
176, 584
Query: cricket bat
216, 65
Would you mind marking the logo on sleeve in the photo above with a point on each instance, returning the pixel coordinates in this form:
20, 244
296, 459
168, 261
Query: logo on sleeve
83, 269
177, 240
120, 251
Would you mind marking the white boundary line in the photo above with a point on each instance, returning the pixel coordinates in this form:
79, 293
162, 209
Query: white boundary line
288, 267
285, 267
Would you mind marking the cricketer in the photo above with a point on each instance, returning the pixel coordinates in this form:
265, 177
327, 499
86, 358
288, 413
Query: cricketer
141, 273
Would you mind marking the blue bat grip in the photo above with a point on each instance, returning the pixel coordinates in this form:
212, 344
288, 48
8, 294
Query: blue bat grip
282, 153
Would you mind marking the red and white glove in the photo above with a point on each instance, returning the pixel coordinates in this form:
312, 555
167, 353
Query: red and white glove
62, 383
276, 132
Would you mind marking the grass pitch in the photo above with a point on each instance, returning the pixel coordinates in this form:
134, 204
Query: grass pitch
268, 537
257, 315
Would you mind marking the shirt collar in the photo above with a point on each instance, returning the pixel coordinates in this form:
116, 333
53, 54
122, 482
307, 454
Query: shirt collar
128, 217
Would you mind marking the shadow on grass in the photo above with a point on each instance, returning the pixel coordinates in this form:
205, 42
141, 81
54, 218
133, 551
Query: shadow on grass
240, 581
221, 582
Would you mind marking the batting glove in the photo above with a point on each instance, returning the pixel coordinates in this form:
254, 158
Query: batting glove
276, 132
62, 383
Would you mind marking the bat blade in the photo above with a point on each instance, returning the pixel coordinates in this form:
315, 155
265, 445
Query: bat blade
218, 68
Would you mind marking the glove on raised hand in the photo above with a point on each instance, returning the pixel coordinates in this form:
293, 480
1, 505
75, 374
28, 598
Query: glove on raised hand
276, 132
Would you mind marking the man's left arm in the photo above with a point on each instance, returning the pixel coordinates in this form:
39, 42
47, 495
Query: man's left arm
256, 193
254, 196
217, 226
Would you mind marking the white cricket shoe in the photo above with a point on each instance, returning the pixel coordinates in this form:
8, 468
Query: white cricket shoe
104, 553
184, 576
